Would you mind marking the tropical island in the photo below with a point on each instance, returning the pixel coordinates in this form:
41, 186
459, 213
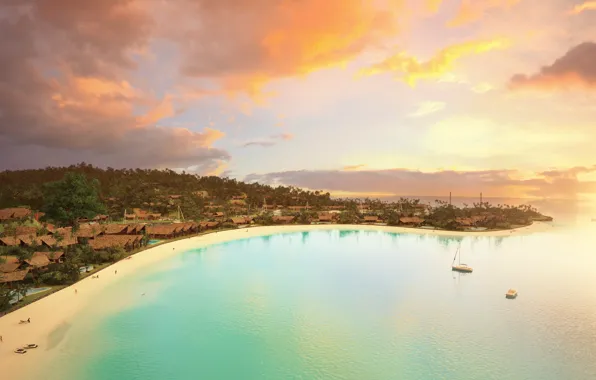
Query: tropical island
59, 225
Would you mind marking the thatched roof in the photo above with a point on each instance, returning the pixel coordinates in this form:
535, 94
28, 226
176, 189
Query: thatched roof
411, 220
241, 220
373, 218
54, 255
38, 260
10, 241
18, 275
114, 229
26, 230
9, 264
161, 229
109, 241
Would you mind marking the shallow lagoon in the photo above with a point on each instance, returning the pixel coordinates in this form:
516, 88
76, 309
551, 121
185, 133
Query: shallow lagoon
347, 305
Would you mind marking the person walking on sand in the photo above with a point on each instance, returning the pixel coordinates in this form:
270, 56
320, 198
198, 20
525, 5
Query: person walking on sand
76, 291
115, 272
28, 320
1, 339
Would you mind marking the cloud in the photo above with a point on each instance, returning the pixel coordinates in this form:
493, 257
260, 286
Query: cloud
354, 167
410, 69
577, 68
474, 10
243, 44
63, 96
268, 141
586, 6
427, 108
562, 183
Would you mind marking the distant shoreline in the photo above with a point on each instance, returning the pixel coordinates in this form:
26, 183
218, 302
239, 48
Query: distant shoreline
61, 307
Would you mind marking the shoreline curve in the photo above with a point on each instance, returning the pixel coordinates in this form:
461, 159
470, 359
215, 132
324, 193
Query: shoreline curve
59, 308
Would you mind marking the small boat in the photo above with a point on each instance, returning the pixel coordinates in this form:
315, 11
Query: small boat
511, 294
31, 345
20, 351
460, 267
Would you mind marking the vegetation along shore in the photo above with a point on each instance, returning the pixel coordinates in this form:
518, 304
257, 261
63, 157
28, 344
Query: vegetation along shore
58, 225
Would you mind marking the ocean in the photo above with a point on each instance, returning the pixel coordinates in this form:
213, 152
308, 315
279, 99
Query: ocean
347, 305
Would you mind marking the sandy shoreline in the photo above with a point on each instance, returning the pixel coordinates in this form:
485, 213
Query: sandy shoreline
52, 311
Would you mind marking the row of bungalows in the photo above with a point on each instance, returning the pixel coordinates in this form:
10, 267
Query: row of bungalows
208, 225
96, 218
327, 217
411, 221
128, 242
169, 231
241, 220
284, 219
12, 270
470, 221
139, 214
372, 219
60, 237
14, 213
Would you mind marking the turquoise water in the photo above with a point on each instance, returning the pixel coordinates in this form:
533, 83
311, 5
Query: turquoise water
153, 241
347, 305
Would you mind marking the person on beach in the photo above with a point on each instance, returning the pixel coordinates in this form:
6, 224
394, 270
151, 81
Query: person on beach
28, 320
76, 291
1, 339
115, 272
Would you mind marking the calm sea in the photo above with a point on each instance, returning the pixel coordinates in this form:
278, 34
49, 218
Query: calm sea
347, 305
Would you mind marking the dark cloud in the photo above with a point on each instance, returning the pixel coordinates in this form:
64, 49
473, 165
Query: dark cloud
64, 94
577, 68
562, 183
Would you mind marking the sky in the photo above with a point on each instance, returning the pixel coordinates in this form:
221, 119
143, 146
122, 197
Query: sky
355, 97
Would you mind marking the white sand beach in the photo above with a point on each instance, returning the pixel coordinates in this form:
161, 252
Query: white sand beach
61, 307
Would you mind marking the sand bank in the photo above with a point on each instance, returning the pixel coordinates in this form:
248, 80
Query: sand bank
61, 307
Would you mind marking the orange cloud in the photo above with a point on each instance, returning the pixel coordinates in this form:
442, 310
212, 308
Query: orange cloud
410, 69
253, 42
580, 8
474, 10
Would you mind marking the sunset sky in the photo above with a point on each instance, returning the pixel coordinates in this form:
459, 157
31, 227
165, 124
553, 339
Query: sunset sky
369, 97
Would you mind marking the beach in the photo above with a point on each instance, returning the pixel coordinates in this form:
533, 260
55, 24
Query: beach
62, 307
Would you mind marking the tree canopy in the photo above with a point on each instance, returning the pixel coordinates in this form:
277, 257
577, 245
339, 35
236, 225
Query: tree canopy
72, 198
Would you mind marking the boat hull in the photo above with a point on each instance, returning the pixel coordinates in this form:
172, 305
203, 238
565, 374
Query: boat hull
461, 269
511, 296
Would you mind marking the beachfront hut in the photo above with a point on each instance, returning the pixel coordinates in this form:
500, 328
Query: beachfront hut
413, 221
161, 231
372, 219
128, 242
284, 219
14, 213
88, 232
240, 220
325, 217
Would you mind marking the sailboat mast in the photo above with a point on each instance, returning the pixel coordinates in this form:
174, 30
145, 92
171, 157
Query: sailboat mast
454, 257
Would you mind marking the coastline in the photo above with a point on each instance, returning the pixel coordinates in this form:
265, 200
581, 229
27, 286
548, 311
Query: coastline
49, 313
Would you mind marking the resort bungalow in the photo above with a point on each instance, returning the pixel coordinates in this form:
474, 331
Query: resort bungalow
285, 219
136, 229
128, 242
208, 225
11, 278
115, 229
241, 220
413, 221
38, 262
88, 232
9, 264
327, 218
26, 231
51, 241
161, 231
11, 241
372, 219
55, 257
15, 213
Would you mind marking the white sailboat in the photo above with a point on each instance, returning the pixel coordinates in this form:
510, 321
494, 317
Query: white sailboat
460, 267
